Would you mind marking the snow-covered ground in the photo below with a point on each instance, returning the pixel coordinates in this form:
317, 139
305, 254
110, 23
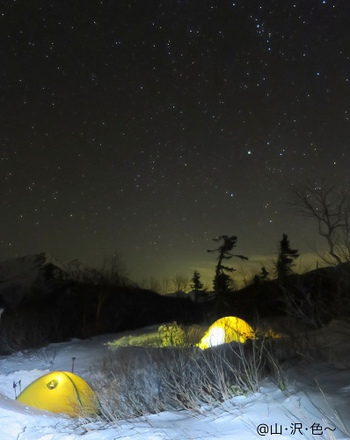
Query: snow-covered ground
315, 403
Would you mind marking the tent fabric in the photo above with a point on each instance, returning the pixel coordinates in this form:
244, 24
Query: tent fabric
225, 330
61, 392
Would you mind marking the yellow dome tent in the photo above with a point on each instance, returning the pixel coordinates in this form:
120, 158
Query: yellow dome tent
224, 330
61, 392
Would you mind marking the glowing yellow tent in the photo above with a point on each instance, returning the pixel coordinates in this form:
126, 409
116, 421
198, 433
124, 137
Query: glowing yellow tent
61, 392
224, 330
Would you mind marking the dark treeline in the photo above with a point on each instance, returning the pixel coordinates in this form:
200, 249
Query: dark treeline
69, 309
61, 308
84, 309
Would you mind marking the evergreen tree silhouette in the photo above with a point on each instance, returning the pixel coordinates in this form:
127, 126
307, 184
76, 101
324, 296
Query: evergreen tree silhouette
262, 276
286, 257
196, 284
222, 279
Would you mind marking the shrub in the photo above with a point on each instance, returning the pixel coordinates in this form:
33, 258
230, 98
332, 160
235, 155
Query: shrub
136, 381
167, 335
172, 335
20, 331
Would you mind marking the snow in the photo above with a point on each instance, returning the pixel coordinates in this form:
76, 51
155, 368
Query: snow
316, 392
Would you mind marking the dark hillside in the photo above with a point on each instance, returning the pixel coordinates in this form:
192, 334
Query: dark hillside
316, 296
43, 304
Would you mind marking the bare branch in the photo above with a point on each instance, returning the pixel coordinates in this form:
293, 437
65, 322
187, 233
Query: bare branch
330, 207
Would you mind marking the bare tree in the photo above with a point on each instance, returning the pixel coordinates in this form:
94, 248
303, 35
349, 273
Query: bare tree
180, 282
166, 285
329, 205
113, 270
151, 283
109, 278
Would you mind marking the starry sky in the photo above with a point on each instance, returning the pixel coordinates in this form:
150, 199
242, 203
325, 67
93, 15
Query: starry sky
146, 128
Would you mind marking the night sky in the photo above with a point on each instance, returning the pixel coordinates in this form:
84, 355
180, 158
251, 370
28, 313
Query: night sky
147, 128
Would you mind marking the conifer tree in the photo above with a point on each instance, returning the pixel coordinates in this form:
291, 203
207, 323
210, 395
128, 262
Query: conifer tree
286, 257
262, 276
222, 279
196, 284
